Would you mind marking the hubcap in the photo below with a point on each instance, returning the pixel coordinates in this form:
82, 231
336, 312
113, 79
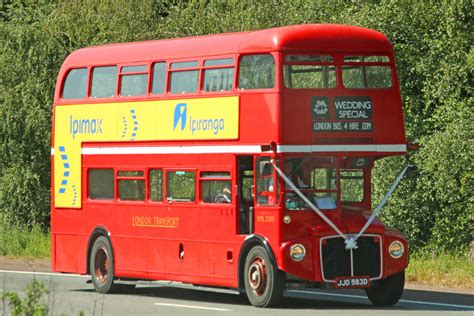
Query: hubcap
101, 265
257, 276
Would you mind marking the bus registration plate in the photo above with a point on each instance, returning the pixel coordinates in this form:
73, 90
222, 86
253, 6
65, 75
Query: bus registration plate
352, 282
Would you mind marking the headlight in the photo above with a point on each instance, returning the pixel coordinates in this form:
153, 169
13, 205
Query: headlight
396, 249
297, 252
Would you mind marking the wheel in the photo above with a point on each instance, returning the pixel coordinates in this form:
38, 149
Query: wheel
102, 266
264, 283
387, 292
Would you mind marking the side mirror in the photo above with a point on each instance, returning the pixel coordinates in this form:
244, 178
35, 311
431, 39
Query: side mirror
411, 172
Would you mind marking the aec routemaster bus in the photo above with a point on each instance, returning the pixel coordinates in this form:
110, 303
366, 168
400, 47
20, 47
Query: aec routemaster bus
238, 160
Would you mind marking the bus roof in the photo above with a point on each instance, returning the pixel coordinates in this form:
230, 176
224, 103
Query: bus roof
329, 38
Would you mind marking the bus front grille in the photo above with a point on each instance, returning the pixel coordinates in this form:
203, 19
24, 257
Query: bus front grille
336, 261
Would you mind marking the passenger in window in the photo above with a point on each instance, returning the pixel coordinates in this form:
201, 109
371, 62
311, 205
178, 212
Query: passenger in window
224, 196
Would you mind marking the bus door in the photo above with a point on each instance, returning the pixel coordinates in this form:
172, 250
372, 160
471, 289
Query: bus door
245, 195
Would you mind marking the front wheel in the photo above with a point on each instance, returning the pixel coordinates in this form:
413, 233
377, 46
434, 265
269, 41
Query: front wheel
264, 283
387, 292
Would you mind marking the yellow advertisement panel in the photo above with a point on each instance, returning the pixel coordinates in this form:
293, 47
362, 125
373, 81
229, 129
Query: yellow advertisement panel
187, 119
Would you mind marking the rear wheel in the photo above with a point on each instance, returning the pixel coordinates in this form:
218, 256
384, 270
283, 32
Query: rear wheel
101, 266
264, 283
387, 292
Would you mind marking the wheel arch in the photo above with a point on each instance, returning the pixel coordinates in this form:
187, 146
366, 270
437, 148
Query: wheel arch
249, 243
96, 233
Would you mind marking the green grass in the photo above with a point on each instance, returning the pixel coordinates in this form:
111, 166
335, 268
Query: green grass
445, 270
17, 241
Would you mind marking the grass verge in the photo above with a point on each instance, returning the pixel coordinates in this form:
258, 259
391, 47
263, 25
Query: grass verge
16, 241
442, 270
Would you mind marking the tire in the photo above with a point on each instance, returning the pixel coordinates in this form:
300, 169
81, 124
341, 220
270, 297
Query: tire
387, 292
264, 283
101, 266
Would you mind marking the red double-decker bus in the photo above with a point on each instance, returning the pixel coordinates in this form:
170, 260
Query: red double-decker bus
238, 160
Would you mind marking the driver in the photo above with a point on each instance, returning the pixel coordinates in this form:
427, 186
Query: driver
294, 175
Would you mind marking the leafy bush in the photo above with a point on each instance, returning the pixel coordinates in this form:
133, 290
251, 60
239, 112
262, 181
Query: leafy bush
33, 303
434, 56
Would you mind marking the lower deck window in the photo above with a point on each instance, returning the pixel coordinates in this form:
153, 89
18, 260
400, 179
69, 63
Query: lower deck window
101, 184
131, 190
181, 186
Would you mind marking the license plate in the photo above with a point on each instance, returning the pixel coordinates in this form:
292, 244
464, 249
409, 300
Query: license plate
352, 282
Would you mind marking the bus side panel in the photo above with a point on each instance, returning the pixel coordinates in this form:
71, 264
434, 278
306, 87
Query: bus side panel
217, 250
130, 243
68, 224
66, 253
181, 260
264, 125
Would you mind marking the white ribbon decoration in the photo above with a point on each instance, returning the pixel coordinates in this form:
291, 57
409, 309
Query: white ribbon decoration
349, 240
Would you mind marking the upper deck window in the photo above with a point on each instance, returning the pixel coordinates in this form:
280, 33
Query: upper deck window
309, 58
366, 72
221, 76
75, 85
159, 78
307, 72
184, 81
134, 80
257, 72
104, 82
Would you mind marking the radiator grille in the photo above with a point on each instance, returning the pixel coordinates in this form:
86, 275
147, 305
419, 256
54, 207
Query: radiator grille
336, 260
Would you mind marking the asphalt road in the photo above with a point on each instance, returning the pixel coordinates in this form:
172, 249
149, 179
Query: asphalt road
70, 294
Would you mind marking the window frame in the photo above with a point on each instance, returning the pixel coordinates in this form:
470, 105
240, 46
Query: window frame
117, 183
148, 185
335, 62
276, 58
121, 74
232, 66
114, 189
63, 84
363, 64
170, 71
91, 79
167, 189
228, 178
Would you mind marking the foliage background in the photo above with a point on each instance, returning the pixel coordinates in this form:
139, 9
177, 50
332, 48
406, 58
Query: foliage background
434, 56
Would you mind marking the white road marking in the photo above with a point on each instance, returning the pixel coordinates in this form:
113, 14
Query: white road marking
194, 307
402, 301
45, 273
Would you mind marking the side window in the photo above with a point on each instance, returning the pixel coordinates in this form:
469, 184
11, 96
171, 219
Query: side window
220, 77
101, 184
155, 177
159, 78
216, 187
104, 82
180, 186
185, 80
257, 72
134, 80
266, 186
75, 85
131, 185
